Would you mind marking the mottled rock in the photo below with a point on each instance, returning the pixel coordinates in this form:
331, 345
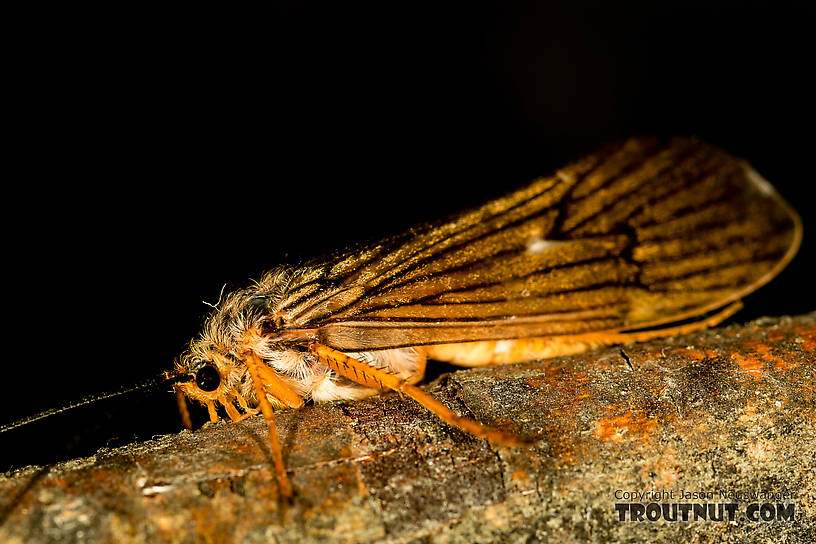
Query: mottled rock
727, 413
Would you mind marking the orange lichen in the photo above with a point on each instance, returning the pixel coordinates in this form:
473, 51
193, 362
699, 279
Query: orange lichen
765, 352
633, 423
520, 475
808, 337
778, 362
692, 354
751, 366
776, 334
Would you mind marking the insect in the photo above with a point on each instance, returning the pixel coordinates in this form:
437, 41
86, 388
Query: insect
641, 239
621, 245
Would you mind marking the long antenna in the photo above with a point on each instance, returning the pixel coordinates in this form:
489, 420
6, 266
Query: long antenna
165, 378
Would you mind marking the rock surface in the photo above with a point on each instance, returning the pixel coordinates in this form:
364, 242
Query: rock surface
726, 412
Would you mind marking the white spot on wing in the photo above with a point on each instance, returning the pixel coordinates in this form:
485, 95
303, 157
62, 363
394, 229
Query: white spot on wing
538, 245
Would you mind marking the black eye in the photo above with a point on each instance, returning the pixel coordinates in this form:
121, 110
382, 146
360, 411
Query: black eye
207, 378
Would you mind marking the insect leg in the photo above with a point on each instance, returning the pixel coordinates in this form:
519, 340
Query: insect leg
369, 376
212, 411
243, 404
181, 402
275, 386
234, 414
254, 364
232, 411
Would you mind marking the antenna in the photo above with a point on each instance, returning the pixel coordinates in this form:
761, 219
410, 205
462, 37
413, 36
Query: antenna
165, 378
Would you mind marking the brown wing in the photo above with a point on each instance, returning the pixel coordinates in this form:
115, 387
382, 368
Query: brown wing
634, 235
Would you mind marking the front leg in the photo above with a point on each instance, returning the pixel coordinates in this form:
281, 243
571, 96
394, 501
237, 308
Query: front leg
255, 366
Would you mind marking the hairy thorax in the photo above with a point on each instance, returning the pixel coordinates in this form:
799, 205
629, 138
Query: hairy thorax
240, 325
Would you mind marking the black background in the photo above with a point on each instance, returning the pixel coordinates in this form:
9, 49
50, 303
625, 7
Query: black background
156, 157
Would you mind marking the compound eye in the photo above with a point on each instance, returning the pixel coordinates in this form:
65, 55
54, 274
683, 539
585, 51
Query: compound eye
207, 378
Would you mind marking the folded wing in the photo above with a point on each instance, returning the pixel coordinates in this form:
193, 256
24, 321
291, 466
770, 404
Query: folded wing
639, 233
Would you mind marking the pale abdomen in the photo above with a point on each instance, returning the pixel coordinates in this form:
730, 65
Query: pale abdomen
497, 352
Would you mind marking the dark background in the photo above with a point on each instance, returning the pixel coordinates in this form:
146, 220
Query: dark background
156, 156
